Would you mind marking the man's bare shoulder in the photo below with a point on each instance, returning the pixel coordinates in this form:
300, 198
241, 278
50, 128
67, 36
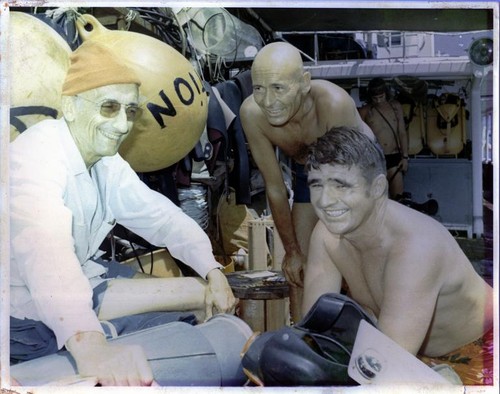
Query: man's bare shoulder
331, 100
251, 116
249, 106
405, 219
396, 105
414, 232
364, 110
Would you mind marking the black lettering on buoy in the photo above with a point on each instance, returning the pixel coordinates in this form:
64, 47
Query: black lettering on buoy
197, 87
16, 112
157, 110
181, 81
195, 84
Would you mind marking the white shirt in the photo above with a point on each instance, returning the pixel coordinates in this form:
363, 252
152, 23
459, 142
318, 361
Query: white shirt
60, 214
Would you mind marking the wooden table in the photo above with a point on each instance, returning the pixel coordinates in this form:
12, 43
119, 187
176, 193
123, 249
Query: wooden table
263, 295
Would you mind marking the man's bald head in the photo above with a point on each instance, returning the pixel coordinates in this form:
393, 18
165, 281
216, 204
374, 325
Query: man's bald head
280, 85
282, 56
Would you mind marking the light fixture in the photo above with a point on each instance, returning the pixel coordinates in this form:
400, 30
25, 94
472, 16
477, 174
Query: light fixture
481, 52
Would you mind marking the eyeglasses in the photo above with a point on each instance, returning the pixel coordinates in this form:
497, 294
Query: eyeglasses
111, 108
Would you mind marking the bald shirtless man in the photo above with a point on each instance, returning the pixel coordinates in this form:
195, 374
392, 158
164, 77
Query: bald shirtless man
398, 263
385, 117
289, 111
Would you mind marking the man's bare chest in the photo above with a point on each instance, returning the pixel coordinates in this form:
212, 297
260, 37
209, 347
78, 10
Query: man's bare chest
364, 275
382, 117
295, 140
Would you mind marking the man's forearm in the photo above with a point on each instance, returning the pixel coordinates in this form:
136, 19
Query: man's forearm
282, 217
125, 297
81, 342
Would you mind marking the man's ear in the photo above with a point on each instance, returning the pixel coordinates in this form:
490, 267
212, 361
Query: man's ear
306, 82
379, 186
68, 108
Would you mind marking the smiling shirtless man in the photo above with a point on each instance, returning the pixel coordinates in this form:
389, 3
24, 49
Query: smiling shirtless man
289, 111
398, 263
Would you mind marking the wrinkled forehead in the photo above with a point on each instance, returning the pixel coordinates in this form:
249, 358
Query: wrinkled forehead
263, 76
275, 72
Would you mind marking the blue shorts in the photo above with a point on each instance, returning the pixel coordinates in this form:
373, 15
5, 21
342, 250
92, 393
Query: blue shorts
392, 160
300, 187
30, 339
115, 271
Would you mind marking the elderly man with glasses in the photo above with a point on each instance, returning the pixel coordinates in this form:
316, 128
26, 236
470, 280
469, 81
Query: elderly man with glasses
69, 187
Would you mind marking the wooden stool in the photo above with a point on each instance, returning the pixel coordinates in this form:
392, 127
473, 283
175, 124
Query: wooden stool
263, 298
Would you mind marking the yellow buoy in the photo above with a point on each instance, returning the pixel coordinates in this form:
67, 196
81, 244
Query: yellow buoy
39, 59
174, 100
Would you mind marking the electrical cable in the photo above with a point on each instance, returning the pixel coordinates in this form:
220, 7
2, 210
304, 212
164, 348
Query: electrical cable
166, 25
137, 256
151, 261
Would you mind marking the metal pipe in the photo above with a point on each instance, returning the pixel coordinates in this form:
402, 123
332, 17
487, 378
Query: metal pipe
477, 162
259, 19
